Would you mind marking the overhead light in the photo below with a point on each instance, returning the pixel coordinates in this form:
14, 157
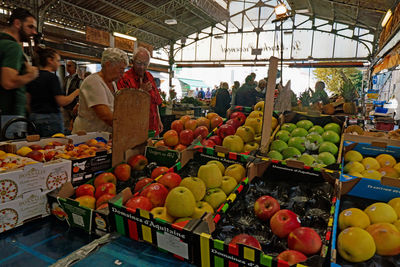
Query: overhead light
171, 21
302, 11
387, 17
280, 10
117, 34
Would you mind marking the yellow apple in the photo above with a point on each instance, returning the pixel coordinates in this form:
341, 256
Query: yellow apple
254, 123
215, 197
357, 174
211, 175
355, 245
386, 237
233, 143
228, 184
236, 171
370, 163
257, 139
86, 201
353, 218
353, 166
395, 204
259, 106
201, 208
256, 114
246, 133
252, 146
219, 164
196, 186
381, 212
161, 213
371, 174
352, 155
180, 202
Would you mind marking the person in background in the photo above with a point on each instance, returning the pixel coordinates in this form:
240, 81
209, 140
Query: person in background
262, 86
235, 87
46, 95
16, 71
196, 93
139, 78
72, 82
247, 95
208, 94
213, 91
96, 99
202, 94
223, 100
87, 73
253, 76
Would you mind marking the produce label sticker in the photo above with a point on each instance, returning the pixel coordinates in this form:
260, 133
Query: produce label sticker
172, 244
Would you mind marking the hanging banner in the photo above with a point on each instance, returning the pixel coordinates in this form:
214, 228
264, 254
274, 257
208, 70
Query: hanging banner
124, 44
149, 47
97, 36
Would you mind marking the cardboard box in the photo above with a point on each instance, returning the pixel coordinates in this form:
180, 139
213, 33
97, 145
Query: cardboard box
28, 206
345, 201
40, 176
212, 251
67, 209
384, 189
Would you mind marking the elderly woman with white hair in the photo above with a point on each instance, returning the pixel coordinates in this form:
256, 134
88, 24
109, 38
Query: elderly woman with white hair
96, 98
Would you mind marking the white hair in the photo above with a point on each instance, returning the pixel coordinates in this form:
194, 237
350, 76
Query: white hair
138, 50
114, 55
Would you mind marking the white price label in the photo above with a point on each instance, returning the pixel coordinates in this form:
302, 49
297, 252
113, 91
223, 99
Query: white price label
173, 244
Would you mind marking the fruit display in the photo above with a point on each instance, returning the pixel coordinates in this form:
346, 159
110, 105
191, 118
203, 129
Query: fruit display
372, 167
368, 232
281, 216
10, 161
314, 145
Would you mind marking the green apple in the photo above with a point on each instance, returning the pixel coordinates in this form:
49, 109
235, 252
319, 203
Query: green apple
328, 147
211, 175
291, 152
180, 202
273, 154
201, 208
236, 171
228, 184
283, 135
306, 159
288, 127
297, 142
215, 197
219, 164
327, 158
381, 212
278, 145
305, 124
331, 136
316, 129
196, 186
332, 127
299, 132
313, 141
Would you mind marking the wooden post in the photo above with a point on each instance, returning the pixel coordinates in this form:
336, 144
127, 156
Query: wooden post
130, 122
269, 104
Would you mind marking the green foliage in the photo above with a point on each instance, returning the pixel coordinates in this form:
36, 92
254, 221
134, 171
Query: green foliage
348, 91
333, 79
305, 98
191, 100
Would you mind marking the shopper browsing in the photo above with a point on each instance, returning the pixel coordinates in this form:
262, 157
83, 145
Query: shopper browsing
96, 98
72, 82
16, 71
139, 78
223, 100
46, 95
247, 95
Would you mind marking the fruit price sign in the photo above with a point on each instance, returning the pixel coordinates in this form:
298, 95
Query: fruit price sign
165, 157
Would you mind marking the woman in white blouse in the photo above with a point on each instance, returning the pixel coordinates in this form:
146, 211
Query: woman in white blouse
96, 97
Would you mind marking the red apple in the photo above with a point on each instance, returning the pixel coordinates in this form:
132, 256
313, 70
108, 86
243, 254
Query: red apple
171, 138
215, 122
35, 147
185, 118
191, 125
138, 162
283, 222
102, 206
305, 240
234, 123
86, 201
138, 202
291, 257
123, 172
105, 177
158, 171
247, 240
84, 190
265, 207
177, 125
239, 116
156, 192
180, 147
46, 147
208, 143
186, 137
49, 155
216, 139
170, 180
201, 131
106, 188
104, 199
36, 155
142, 183
225, 130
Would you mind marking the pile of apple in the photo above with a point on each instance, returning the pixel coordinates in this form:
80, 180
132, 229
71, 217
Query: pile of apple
284, 223
9, 161
186, 129
169, 197
374, 230
311, 144
370, 167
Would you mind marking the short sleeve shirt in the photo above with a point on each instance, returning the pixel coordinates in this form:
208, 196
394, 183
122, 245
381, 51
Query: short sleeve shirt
43, 91
94, 91
12, 102
131, 80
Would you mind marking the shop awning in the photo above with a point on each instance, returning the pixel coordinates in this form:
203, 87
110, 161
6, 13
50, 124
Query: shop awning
193, 83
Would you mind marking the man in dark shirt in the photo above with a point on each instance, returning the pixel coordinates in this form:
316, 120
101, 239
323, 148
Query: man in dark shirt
71, 83
247, 95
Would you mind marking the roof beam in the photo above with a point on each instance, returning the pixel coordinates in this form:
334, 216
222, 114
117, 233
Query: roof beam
352, 5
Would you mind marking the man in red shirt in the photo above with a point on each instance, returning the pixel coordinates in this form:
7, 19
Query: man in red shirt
139, 78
